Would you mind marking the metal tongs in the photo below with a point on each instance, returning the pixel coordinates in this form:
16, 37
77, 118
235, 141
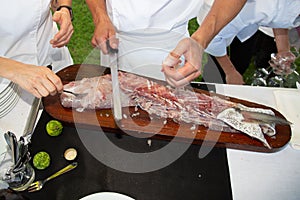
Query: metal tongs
113, 64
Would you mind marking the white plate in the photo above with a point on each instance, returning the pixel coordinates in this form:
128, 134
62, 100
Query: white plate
3, 84
7, 106
7, 90
10, 106
107, 196
8, 97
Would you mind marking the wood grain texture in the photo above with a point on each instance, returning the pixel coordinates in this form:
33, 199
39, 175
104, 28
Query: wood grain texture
144, 125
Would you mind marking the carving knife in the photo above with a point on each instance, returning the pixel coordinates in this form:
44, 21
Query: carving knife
262, 117
113, 62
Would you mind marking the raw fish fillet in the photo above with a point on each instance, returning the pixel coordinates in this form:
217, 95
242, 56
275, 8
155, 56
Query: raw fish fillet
181, 105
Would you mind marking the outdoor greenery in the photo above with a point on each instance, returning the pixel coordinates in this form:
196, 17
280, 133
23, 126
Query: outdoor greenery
80, 44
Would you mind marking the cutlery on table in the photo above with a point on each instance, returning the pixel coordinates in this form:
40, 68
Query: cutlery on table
38, 185
12, 142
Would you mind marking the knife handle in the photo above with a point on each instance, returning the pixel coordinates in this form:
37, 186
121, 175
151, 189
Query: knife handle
110, 49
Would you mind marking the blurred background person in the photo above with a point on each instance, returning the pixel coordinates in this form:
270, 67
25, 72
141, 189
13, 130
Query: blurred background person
245, 40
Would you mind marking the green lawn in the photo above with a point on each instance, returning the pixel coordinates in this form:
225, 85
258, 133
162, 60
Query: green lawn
80, 44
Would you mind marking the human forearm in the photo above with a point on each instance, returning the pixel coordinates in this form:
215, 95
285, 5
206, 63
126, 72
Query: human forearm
232, 75
38, 80
98, 10
282, 62
8, 66
282, 39
221, 13
104, 29
225, 64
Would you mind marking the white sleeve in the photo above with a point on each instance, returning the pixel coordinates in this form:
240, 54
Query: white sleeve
218, 45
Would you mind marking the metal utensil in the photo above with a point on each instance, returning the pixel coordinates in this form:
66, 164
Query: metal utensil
38, 185
12, 142
28, 131
23, 154
263, 117
78, 95
7, 139
113, 61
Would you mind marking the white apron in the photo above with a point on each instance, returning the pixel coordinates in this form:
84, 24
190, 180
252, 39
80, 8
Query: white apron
26, 28
148, 30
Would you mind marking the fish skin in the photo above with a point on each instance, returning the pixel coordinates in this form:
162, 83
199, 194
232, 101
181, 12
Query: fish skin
262, 117
236, 120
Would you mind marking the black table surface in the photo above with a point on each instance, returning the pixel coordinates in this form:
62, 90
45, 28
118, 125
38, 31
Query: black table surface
189, 177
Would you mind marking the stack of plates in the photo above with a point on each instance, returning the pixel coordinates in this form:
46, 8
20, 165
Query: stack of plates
8, 96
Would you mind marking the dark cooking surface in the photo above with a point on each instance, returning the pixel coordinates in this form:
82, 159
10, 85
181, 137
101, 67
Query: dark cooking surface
189, 177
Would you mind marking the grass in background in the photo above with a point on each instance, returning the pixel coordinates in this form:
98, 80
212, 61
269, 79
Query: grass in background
80, 44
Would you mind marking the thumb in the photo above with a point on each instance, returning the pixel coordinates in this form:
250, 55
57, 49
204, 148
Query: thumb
172, 59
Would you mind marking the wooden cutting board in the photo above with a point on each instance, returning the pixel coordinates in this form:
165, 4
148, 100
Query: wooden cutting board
143, 125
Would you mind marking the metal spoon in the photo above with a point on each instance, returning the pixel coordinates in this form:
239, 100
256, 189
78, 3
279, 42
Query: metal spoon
12, 142
7, 139
23, 151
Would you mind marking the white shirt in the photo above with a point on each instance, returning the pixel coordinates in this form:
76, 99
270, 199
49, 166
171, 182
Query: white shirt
255, 13
207, 6
148, 30
26, 28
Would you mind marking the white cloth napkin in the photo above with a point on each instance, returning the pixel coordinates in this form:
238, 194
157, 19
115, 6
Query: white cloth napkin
288, 103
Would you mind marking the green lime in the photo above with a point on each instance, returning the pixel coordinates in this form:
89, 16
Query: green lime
41, 160
54, 128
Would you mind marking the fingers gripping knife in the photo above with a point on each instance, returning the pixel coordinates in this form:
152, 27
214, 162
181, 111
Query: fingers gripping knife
113, 62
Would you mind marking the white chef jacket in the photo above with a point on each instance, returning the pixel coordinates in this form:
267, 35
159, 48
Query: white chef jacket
26, 28
148, 30
255, 13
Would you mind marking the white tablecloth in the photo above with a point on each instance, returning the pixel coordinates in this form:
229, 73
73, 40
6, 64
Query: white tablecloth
258, 176
262, 176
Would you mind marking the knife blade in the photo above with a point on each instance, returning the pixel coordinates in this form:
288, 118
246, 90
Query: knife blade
263, 117
113, 62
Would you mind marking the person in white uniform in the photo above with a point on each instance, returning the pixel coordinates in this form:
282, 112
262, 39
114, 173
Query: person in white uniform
30, 40
280, 15
149, 30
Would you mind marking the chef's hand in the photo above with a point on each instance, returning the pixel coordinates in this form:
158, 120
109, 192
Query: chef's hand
63, 18
105, 31
283, 62
234, 78
191, 69
38, 80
